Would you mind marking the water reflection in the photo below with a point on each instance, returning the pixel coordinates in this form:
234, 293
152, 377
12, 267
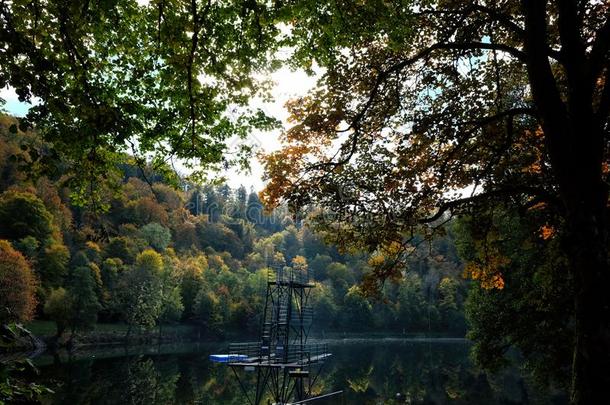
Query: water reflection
369, 372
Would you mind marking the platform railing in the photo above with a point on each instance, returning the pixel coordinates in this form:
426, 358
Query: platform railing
257, 352
287, 275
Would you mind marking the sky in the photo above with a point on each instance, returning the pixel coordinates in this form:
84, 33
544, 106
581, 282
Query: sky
288, 84
13, 105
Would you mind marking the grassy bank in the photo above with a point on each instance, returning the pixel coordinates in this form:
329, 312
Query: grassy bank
116, 333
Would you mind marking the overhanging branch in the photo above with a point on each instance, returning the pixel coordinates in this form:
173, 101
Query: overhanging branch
423, 54
539, 193
499, 116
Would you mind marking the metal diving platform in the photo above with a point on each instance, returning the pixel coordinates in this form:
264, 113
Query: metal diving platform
286, 364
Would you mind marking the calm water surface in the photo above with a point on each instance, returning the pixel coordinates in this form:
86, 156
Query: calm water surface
380, 371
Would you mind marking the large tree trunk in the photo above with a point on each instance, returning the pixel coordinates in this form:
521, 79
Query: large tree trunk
588, 251
578, 168
575, 144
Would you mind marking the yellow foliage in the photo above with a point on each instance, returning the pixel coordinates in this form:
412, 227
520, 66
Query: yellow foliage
93, 246
151, 261
376, 259
97, 274
489, 275
393, 248
388, 251
299, 263
282, 168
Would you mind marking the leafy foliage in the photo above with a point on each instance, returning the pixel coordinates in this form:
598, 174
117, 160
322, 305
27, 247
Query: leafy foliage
17, 286
59, 308
23, 215
159, 78
532, 310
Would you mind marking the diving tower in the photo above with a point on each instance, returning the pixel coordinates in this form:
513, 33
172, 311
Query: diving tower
286, 364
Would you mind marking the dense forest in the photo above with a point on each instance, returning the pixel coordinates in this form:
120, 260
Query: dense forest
448, 172
165, 252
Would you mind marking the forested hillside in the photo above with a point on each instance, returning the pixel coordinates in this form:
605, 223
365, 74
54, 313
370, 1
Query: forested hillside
157, 250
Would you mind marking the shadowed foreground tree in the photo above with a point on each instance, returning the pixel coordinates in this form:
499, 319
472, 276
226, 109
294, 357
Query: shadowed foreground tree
532, 311
429, 108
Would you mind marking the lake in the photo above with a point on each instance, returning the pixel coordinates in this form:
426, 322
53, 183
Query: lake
377, 371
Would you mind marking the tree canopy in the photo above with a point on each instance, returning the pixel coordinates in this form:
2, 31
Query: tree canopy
165, 79
430, 108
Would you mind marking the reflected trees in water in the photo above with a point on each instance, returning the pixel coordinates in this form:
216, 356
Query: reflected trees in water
369, 373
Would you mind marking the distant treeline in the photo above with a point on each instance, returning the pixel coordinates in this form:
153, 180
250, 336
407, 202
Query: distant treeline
156, 251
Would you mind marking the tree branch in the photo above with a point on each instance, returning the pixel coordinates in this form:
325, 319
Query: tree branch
541, 194
498, 16
501, 18
599, 51
381, 77
503, 114
494, 14
518, 54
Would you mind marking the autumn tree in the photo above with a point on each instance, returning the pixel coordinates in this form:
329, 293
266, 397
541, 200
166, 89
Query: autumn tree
299, 264
429, 108
17, 286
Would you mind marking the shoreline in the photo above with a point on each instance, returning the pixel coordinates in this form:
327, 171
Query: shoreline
205, 347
